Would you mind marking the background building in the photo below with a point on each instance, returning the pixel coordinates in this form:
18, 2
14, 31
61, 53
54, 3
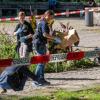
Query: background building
9, 8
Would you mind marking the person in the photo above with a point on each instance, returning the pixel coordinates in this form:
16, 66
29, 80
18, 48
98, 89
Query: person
14, 77
24, 33
42, 35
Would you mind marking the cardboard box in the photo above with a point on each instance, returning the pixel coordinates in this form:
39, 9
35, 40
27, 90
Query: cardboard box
68, 40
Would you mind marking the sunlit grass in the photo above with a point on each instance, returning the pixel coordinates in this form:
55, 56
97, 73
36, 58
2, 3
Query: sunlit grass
88, 94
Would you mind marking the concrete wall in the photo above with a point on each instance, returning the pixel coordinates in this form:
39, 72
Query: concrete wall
37, 7
96, 16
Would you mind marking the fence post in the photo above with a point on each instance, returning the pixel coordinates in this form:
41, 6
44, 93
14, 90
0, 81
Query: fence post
35, 11
0, 12
67, 12
88, 17
81, 13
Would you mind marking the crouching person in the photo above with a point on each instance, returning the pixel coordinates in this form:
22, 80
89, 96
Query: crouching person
14, 77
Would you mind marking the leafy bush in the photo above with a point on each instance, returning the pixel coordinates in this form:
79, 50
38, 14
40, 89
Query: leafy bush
69, 65
7, 46
84, 63
7, 50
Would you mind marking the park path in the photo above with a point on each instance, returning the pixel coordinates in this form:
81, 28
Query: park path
70, 81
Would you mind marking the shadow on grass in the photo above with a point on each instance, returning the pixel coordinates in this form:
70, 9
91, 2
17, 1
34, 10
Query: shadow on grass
71, 79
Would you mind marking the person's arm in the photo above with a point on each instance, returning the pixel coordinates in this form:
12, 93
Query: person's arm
30, 31
45, 31
47, 35
16, 30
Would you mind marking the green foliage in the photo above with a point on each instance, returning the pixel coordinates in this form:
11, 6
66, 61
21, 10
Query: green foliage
35, 98
97, 1
7, 47
32, 68
24, 98
84, 63
89, 94
7, 50
51, 67
65, 66
69, 65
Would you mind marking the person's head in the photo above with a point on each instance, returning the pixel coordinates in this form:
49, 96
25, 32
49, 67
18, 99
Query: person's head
49, 15
21, 16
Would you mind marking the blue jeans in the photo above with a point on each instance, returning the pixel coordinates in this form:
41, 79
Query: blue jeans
41, 50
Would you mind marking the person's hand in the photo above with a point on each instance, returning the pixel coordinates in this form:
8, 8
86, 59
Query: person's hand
29, 36
19, 31
57, 40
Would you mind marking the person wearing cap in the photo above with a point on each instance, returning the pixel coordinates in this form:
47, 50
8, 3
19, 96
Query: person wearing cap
24, 33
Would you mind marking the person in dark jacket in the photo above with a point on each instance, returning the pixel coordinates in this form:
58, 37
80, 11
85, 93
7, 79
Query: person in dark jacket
14, 77
24, 33
40, 42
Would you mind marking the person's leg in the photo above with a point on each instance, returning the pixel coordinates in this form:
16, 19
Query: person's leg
23, 51
27, 72
24, 74
40, 71
41, 50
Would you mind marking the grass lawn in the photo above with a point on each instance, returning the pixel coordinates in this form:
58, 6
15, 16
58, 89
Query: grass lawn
88, 94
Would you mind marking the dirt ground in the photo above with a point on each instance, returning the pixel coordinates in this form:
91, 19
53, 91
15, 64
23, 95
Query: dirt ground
70, 80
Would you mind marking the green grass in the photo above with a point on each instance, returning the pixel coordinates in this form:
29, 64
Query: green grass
88, 94
24, 98
7, 47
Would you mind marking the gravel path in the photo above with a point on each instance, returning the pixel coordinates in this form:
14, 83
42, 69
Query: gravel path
70, 80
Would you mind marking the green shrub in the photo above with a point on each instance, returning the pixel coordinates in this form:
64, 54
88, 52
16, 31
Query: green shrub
7, 46
32, 68
35, 98
69, 65
84, 63
7, 50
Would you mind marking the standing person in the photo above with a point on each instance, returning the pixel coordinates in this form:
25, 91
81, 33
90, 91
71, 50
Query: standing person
42, 34
24, 34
